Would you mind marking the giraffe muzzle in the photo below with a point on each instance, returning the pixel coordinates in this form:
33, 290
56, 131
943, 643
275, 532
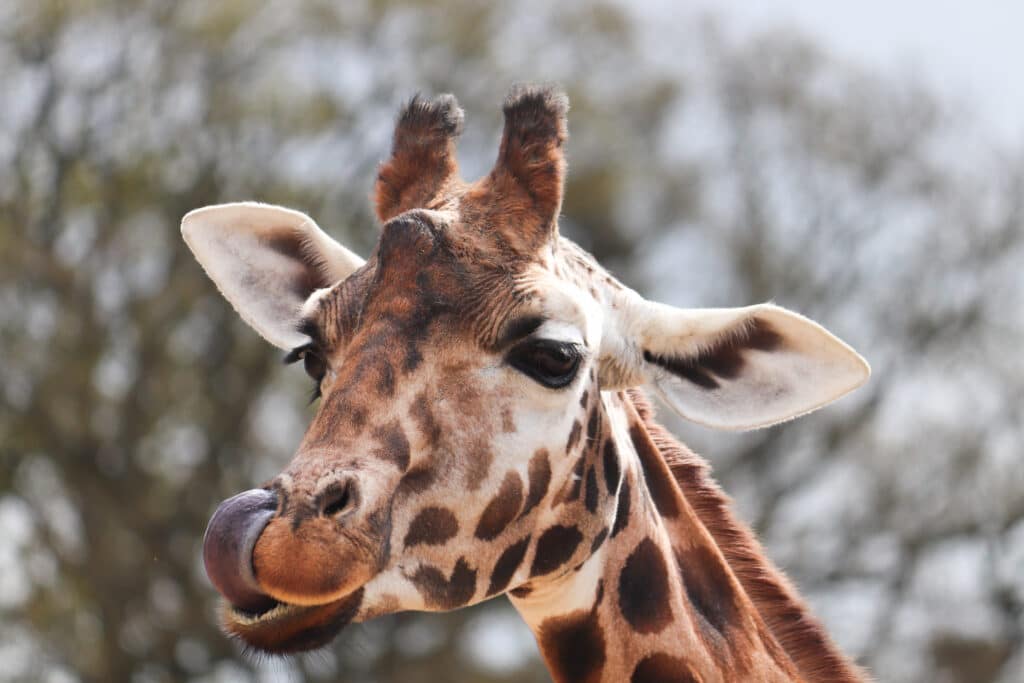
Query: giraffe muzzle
228, 546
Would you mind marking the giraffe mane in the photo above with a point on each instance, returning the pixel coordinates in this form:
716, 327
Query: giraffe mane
786, 615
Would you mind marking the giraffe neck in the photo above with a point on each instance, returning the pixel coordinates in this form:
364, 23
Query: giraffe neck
656, 601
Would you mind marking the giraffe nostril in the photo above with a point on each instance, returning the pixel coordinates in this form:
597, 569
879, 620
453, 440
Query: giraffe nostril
338, 499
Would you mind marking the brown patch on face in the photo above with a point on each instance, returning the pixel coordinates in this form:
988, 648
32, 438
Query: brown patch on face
706, 580
478, 465
386, 380
657, 476
554, 548
571, 490
415, 289
573, 645
507, 565
431, 526
574, 436
446, 594
422, 163
423, 415
331, 418
663, 668
721, 361
502, 509
623, 509
394, 447
416, 480
644, 589
428, 305
540, 479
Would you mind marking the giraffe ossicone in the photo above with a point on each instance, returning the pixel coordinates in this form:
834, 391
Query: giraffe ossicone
482, 427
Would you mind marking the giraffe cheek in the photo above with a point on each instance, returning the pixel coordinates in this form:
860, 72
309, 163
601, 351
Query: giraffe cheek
310, 565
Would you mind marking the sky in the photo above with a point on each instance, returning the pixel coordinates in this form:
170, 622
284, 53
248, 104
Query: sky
971, 51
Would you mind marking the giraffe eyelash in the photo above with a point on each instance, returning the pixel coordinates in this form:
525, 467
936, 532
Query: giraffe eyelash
313, 363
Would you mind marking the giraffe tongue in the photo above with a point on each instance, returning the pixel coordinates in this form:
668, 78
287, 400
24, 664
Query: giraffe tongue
228, 544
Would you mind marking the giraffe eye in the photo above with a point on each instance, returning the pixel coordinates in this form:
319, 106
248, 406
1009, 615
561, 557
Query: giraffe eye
553, 364
313, 362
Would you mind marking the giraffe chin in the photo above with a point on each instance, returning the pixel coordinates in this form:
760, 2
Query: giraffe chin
284, 628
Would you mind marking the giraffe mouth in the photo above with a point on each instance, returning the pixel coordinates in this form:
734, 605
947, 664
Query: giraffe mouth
248, 612
286, 629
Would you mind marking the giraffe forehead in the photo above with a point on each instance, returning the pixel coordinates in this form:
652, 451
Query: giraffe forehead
569, 312
424, 273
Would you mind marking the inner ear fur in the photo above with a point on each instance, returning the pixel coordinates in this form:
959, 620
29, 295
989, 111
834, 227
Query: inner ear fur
741, 368
266, 260
422, 167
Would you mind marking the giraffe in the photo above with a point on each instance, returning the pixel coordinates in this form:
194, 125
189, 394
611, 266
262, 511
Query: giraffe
483, 427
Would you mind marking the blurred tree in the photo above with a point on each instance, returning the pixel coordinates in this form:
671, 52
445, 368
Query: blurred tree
706, 171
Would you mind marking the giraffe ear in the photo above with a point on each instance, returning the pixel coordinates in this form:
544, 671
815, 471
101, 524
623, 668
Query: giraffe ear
524, 189
742, 368
266, 261
422, 161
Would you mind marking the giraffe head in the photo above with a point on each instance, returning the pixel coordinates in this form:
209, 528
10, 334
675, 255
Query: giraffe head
460, 372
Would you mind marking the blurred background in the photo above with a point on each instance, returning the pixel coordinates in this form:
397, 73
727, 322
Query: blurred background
866, 169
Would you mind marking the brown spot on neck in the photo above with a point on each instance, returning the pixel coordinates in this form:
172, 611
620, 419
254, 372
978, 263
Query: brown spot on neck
623, 507
612, 468
644, 595
657, 477
574, 436
705, 580
804, 642
574, 645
